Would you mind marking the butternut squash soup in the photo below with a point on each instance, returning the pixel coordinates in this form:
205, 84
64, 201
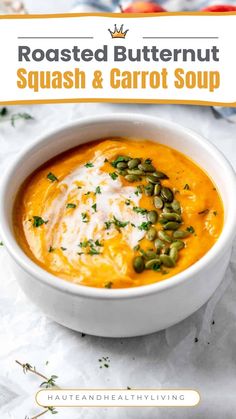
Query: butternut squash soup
118, 213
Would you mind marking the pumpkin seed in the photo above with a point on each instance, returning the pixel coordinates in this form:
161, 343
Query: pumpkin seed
152, 217
132, 164
135, 172
146, 167
159, 245
165, 250
152, 179
157, 189
138, 264
164, 236
160, 175
181, 234
171, 216
167, 194
173, 254
132, 178
150, 264
150, 254
176, 206
151, 234
121, 165
158, 203
148, 190
167, 261
122, 172
178, 244
171, 225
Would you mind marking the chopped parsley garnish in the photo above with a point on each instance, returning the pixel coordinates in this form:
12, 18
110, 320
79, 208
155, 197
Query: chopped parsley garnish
108, 284
118, 223
84, 216
90, 245
51, 177
106, 160
1, 244
70, 205
38, 221
98, 190
127, 202
94, 206
88, 165
190, 229
20, 115
63, 248
187, 187
51, 249
113, 175
79, 187
87, 193
138, 190
145, 225
108, 224
140, 210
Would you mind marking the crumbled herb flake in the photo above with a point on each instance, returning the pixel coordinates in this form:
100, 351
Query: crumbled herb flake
140, 210
63, 248
187, 187
94, 206
84, 216
98, 190
145, 225
108, 224
3, 111
89, 164
203, 212
113, 175
51, 249
51, 177
190, 229
108, 284
38, 221
1, 244
118, 223
70, 205
215, 213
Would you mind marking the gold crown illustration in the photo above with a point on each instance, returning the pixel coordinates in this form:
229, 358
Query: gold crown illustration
118, 33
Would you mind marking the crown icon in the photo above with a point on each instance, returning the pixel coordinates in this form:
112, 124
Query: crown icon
118, 33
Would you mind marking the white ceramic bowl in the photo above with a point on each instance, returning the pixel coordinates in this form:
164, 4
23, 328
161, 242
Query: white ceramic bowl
133, 311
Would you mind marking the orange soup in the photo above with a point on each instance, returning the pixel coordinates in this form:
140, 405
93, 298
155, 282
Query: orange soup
118, 213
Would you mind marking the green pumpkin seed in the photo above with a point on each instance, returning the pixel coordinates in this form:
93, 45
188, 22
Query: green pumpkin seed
121, 165
181, 234
138, 264
150, 254
167, 194
153, 263
176, 206
122, 172
173, 254
151, 234
152, 179
157, 189
148, 190
132, 178
167, 210
167, 261
164, 236
146, 167
159, 245
165, 250
171, 216
158, 203
160, 175
152, 217
132, 164
171, 225
135, 172
178, 244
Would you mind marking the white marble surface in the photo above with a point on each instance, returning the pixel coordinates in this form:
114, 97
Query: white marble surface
169, 358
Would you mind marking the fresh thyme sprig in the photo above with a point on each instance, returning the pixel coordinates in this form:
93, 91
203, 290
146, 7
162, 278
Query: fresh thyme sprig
47, 383
13, 118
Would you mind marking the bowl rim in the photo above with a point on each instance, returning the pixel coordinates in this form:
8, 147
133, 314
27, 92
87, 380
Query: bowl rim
224, 241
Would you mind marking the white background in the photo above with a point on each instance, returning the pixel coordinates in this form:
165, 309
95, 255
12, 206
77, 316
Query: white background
169, 358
